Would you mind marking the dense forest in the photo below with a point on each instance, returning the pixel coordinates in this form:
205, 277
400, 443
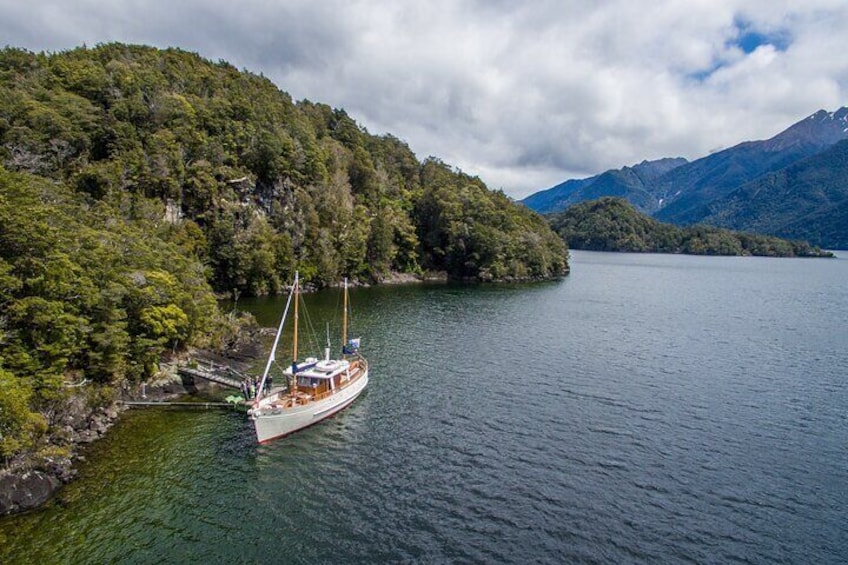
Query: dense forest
136, 183
613, 224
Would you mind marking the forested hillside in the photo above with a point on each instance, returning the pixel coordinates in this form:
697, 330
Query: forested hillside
269, 183
135, 182
807, 200
86, 297
613, 224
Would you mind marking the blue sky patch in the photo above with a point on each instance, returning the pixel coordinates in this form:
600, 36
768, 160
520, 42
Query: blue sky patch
748, 38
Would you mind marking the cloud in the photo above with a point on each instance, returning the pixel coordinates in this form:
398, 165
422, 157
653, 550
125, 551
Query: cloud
523, 94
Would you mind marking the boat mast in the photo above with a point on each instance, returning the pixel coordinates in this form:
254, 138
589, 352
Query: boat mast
344, 320
296, 296
272, 357
296, 293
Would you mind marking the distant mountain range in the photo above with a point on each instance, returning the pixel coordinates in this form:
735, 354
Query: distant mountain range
792, 185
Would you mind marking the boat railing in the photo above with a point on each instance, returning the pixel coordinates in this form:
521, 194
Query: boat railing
327, 393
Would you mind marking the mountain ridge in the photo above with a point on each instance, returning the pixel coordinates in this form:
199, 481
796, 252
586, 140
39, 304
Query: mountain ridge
686, 191
695, 191
797, 202
634, 177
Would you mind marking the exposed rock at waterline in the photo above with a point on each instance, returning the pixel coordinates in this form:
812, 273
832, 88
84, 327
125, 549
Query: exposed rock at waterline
19, 493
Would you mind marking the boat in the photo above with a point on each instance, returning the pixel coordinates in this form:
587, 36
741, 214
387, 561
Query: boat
314, 389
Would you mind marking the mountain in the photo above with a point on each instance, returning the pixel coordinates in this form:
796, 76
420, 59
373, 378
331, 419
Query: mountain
803, 202
613, 224
806, 200
627, 182
685, 193
556, 198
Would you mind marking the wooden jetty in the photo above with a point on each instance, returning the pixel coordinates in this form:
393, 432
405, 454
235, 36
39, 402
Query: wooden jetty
214, 372
205, 405
201, 369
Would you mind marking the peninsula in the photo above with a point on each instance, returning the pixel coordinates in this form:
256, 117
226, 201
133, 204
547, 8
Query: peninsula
613, 224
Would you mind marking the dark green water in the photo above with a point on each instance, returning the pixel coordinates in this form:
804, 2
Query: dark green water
646, 409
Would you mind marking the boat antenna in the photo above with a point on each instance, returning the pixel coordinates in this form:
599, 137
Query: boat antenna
327, 348
272, 357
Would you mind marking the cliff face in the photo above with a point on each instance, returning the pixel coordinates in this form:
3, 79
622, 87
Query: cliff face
33, 479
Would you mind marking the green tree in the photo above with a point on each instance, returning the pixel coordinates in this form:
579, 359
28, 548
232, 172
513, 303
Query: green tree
20, 428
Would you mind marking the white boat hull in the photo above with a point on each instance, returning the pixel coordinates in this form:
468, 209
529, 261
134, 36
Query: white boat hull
272, 423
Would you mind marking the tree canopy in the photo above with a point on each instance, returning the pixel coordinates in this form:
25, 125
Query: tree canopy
268, 184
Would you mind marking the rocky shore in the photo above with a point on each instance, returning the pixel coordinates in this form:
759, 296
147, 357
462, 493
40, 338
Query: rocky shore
27, 484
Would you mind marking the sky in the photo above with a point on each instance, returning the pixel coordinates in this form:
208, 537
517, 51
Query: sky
524, 95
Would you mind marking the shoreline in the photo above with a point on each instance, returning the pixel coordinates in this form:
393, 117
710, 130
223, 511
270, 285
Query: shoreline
30, 483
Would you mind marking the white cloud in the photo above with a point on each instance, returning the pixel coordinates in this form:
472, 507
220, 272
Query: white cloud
523, 94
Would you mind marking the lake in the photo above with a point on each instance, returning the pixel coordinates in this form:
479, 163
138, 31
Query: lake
647, 408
